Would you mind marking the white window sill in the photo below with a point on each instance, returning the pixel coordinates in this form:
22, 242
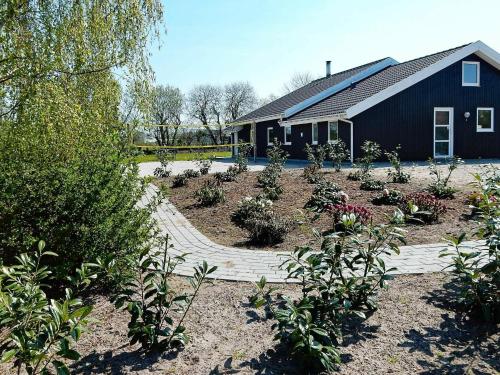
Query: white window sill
287, 143
314, 143
470, 84
485, 130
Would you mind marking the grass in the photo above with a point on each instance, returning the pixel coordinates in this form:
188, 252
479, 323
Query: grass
185, 156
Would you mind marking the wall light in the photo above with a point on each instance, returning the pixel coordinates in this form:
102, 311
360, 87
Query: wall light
466, 115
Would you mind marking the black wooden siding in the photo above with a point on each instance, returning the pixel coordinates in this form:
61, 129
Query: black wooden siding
407, 117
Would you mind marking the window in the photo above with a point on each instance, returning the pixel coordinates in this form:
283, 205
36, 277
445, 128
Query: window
470, 73
270, 136
314, 134
484, 119
288, 135
333, 131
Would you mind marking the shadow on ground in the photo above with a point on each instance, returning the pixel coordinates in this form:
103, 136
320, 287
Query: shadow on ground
458, 343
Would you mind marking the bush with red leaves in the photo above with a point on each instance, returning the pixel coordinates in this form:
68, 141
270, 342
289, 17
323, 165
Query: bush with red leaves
363, 215
426, 208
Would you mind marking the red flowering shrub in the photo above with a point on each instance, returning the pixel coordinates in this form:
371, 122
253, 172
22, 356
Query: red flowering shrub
362, 214
422, 207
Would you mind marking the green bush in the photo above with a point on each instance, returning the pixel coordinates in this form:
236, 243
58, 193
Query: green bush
250, 207
439, 187
396, 174
421, 208
268, 180
227, 176
150, 299
39, 332
191, 173
204, 165
312, 174
162, 171
316, 155
478, 268
241, 159
210, 193
180, 180
325, 193
388, 197
372, 185
371, 152
334, 287
337, 151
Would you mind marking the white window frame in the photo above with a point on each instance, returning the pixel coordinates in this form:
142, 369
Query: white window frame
269, 140
450, 125
491, 129
284, 135
314, 125
477, 63
329, 123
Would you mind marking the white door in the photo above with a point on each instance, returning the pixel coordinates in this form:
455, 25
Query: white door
443, 132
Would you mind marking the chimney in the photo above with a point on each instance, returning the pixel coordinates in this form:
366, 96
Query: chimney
328, 68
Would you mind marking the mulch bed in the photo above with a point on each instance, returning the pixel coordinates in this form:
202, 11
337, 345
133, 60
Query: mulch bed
415, 330
215, 221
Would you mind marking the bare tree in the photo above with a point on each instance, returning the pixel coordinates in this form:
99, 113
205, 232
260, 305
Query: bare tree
239, 99
266, 100
205, 104
297, 81
167, 107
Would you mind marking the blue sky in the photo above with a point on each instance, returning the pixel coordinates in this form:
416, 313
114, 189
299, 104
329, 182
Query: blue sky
265, 42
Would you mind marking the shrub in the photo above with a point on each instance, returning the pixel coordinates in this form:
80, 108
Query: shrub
241, 159
227, 176
388, 197
325, 194
371, 152
268, 178
191, 173
439, 187
396, 175
333, 289
150, 298
180, 180
371, 185
337, 151
312, 174
38, 331
162, 171
204, 165
269, 175
268, 229
272, 192
248, 208
478, 268
210, 193
348, 218
316, 155
355, 175
276, 155
421, 208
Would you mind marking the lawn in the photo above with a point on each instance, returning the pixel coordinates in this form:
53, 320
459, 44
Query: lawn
180, 156
215, 221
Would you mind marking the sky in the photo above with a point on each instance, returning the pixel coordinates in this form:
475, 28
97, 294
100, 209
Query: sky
265, 42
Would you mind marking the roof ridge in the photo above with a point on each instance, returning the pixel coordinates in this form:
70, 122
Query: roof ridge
433, 54
347, 70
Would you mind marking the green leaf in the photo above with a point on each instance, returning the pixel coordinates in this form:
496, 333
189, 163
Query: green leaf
8, 355
60, 367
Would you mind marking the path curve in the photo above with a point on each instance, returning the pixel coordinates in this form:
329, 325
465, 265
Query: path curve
238, 264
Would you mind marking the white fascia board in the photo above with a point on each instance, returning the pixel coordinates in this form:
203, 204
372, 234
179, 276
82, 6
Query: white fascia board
232, 129
479, 48
311, 120
339, 86
257, 119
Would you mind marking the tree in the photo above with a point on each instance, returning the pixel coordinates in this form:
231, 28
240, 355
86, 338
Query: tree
167, 107
239, 99
205, 104
66, 173
266, 100
297, 81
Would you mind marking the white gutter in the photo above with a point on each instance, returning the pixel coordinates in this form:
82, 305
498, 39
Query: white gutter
340, 86
309, 120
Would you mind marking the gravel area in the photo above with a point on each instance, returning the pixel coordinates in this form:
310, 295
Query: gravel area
415, 330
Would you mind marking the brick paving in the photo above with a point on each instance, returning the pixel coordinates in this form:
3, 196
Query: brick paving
238, 264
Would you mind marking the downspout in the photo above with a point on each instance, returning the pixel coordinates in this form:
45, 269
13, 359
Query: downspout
253, 135
352, 138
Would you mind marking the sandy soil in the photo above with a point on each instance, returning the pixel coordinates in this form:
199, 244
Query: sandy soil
415, 330
215, 221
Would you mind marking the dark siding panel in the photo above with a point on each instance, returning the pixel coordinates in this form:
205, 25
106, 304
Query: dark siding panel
407, 118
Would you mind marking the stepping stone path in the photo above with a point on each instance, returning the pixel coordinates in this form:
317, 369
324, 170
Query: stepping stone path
238, 264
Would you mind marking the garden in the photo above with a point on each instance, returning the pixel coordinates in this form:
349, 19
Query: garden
89, 283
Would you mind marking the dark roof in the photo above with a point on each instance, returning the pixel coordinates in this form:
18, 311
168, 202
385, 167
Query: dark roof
278, 106
370, 86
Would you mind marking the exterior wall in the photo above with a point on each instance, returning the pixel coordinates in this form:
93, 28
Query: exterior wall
407, 117
301, 134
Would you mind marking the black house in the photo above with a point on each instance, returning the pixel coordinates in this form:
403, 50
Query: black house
434, 106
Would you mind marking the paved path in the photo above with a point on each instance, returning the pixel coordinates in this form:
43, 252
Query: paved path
249, 265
